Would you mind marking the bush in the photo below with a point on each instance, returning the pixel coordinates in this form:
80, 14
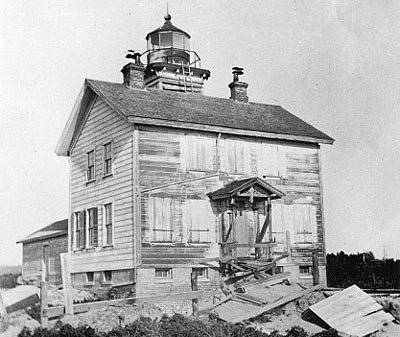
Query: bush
175, 326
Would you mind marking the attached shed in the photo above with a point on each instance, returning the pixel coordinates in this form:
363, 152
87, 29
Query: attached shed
41, 253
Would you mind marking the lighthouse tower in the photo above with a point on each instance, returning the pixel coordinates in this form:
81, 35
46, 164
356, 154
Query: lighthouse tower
171, 65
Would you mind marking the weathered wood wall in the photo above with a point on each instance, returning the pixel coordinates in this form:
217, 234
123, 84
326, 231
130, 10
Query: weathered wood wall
104, 125
186, 166
32, 259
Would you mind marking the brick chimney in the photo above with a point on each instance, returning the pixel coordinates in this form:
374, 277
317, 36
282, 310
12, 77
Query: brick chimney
134, 72
238, 88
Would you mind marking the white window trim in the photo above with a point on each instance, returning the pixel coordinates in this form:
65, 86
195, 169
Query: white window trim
111, 142
104, 228
87, 279
87, 241
168, 279
87, 164
105, 281
75, 225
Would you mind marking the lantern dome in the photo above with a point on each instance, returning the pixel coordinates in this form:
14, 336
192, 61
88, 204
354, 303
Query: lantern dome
168, 44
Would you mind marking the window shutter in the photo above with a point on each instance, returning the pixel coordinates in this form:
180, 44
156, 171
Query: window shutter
82, 229
95, 228
71, 230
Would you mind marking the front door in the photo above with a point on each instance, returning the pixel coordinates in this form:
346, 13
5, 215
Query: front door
244, 233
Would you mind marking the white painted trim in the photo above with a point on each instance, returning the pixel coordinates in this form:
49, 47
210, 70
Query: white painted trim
104, 229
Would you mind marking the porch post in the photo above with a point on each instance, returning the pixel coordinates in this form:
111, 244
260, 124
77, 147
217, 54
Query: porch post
270, 237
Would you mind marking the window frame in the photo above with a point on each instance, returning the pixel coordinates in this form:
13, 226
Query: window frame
89, 167
105, 278
90, 227
106, 243
168, 277
88, 282
79, 230
109, 159
201, 276
303, 273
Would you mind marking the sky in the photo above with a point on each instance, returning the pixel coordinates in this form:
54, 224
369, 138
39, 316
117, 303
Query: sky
333, 63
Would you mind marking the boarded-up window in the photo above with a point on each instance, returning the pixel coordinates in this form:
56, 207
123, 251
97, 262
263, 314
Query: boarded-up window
92, 220
299, 220
162, 212
198, 220
235, 156
200, 153
271, 160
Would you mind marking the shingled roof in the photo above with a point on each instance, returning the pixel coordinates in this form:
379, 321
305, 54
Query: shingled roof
193, 111
200, 109
55, 229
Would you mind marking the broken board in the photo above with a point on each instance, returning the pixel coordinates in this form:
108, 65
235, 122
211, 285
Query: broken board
352, 312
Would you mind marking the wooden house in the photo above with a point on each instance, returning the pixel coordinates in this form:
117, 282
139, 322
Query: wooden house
41, 253
165, 180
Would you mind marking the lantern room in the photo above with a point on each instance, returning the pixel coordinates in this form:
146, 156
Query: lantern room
168, 44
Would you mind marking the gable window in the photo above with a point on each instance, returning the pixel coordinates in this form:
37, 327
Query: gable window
162, 219
108, 224
198, 221
80, 222
90, 166
92, 221
107, 159
163, 273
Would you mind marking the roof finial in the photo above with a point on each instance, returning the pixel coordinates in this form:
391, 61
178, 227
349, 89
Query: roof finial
168, 16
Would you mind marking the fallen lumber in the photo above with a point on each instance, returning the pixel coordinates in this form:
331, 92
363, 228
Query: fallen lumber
84, 307
209, 308
279, 278
271, 306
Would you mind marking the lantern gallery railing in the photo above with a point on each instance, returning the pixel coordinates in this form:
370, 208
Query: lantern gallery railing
173, 56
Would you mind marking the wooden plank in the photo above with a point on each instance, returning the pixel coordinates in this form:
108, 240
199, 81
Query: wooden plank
248, 245
66, 280
279, 278
84, 307
195, 301
259, 311
44, 320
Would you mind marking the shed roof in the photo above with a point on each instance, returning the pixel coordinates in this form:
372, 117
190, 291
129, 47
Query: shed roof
192, 111
55, 229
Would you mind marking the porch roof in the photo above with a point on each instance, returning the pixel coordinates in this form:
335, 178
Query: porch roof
250, 187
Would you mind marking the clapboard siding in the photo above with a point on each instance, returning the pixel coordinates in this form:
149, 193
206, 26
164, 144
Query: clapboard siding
163, 160
103, 125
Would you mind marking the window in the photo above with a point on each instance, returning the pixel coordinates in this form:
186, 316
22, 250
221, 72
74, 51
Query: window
90, 166
198, 220
305, 270
92, 221
164, 273
202, 273
107, 159
280, 269
108, 276
108, 224
162, 223
90, 277
80, 222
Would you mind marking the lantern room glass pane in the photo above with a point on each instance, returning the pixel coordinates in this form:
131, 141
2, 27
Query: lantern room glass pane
165, 40
154, 42
186, 43
178, 41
